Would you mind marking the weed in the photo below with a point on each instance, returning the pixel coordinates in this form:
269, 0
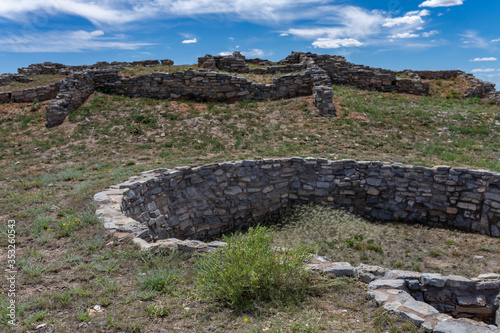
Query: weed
147, 295
109, 266
35, 317
250, 270
39, 224
107, 285
83, 314
93, 244
34, 269
161, 279
63, 298
435, 252
158, 310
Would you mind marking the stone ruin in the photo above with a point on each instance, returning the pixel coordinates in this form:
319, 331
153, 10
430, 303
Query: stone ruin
174, 209
303, 74
51, 91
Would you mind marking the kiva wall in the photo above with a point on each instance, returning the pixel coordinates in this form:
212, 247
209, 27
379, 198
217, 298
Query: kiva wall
195, 202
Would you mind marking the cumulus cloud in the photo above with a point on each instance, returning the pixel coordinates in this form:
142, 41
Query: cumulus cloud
483, 70
404, 20
484, 59
327, 43
190, 41
355, 26
65, 41
441, 3
347, 22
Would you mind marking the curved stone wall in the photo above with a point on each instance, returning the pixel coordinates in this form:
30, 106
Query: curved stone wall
192, 202
195, 202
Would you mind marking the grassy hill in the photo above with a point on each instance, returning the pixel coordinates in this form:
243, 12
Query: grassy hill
68, 263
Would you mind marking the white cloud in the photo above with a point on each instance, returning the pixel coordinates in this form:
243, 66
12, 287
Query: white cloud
405, 35
100, 11
404, 20
495, 40
441, 3
190, 41
284, 34
327, 43
423, 12
483, 70
347, 22
471, 38
97, 33
413, 18
350, 23
430, 33
253, 53
119, 12
65, 41
484, 59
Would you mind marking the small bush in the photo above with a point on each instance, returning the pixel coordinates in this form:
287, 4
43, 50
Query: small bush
249, 269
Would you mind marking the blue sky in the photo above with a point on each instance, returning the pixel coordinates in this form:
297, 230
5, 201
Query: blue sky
393, 34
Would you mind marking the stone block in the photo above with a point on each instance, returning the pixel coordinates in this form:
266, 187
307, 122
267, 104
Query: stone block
340, 269
433, 279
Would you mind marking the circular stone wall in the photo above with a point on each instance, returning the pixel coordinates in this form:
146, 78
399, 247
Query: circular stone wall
195, 202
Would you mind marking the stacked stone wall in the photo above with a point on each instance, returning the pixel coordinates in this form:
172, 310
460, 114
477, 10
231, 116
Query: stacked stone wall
288, 68
203, 201
74, 91
435, 75
204, 86
56, 68
6, 79
30, 95
235, 63
458, 296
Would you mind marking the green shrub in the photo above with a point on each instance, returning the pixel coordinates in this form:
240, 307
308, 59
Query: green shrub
249, 270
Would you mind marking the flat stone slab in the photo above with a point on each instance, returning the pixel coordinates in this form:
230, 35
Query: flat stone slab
423, 309
459, 326
433, 279
382, 283
340, 269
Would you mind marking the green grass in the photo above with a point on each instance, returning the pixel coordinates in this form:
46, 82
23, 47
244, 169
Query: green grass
249, 270
50, 175
163, 280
